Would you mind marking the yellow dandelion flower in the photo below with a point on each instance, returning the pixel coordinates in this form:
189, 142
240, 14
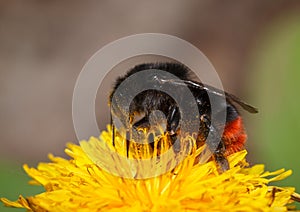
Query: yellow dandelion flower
79, 184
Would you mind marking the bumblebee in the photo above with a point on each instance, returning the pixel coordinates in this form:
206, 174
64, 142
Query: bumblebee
230, 140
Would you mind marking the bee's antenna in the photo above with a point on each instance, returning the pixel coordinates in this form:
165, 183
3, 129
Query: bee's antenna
112, 128
127, 143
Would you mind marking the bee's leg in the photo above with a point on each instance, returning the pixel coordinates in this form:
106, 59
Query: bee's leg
219, 155
128, 133
220, 158
114, 112
173, 119
215, 144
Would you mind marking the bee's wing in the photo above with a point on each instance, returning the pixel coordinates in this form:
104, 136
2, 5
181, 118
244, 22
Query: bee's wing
214, 91
244, 105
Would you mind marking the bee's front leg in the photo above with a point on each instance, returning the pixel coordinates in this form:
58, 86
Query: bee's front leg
173, 119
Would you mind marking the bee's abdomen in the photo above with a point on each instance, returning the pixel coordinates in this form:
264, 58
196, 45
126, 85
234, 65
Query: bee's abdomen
234, 136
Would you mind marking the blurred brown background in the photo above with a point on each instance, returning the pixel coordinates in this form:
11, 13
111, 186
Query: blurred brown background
44, 45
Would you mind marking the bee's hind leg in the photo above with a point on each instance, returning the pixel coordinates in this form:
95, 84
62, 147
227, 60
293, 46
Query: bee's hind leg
216, 145
220, 158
